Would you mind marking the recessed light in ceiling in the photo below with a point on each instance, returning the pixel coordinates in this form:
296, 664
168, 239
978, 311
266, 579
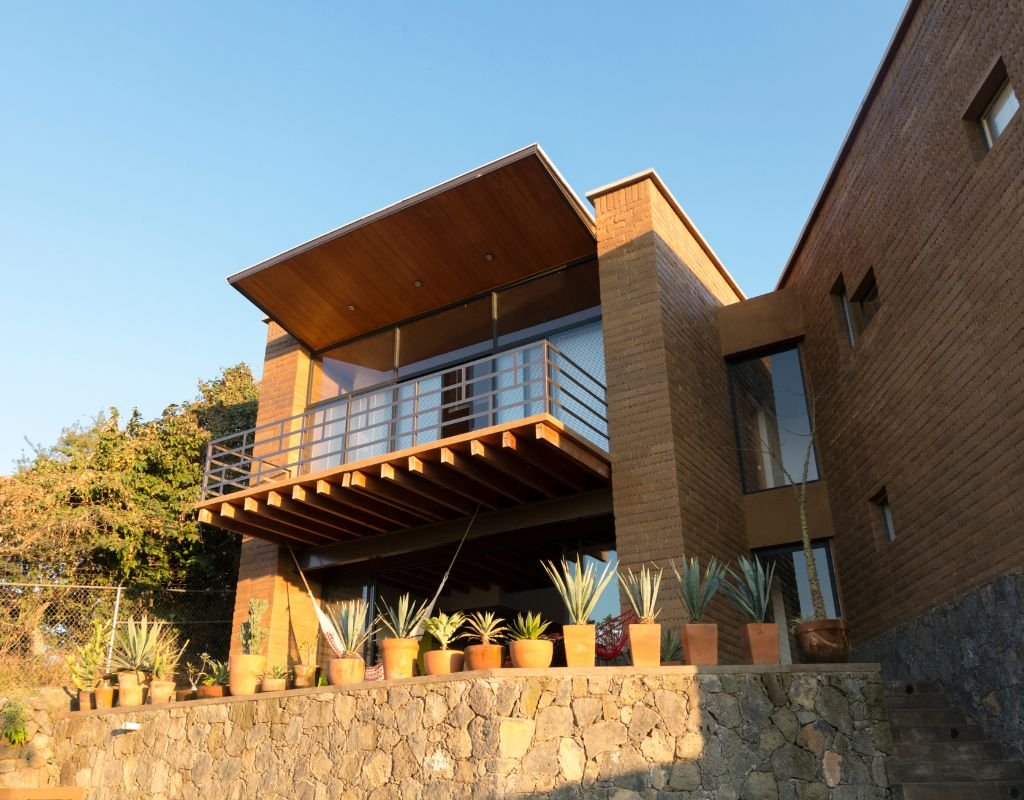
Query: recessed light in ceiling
351, 307
488, 256
417, 284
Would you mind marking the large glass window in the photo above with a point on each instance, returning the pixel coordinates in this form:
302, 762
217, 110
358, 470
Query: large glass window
773, 428
354, 366
455, 335
531, 310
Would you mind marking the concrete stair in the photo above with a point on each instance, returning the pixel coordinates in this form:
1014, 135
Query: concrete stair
940, 754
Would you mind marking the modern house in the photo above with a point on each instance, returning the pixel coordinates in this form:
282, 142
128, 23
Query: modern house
494, 354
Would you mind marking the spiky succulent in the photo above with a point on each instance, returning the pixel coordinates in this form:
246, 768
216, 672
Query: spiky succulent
642, 592
485, 626
404, 619
697, 592
444, 627
580, 588
528, 626
751, 592
350, 622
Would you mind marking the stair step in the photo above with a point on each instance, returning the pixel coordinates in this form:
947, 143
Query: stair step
950, 750
963, 791
911, 687
915, 717
937, 733
895, 701
945, 771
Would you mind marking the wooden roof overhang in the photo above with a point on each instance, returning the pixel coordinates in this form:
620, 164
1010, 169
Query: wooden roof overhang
495, 225
507, 466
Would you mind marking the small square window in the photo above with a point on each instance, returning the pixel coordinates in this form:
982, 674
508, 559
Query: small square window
881, 503
999, 113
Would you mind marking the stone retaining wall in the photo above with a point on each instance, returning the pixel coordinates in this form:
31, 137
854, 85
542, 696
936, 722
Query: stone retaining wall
32, 765
726, 732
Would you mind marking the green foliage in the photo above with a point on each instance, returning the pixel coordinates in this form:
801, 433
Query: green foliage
277, 672
402, 620
580, 588
215, 673
349, 618
308, 649
136, 645
671, 646
13, 719
251, 632
642, 592
321, 680
167, 655
530, 626
444, 627
115, 499
86, 664
696, 592
485, 626
751, 592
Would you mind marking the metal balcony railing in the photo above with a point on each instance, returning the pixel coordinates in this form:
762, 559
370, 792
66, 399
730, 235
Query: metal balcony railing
532, 379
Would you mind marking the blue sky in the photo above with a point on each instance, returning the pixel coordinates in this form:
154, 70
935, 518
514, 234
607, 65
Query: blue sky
149, 150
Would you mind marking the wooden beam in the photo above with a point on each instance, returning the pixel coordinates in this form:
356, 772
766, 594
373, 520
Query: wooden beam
504, 462
254, 525
554, 438
322, 519
415, 485
283, 522
438, 476
566, 473
399, 498
351, 505
484, 476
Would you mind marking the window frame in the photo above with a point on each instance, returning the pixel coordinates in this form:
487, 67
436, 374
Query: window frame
883, 508
1005, 92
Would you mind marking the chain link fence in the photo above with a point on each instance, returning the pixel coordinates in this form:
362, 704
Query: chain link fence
41, 624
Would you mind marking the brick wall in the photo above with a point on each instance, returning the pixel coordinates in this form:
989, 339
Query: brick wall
676, 482
929, 402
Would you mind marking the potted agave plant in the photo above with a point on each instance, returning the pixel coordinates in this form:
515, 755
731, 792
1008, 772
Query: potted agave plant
305, 672
275, 679
645, 634
401, 648
699, 639
350, 623
750, 591
166, 656
487, 628
528, 648
444, 628
134, 649
671, 648
86, 665
245, 669
215, 677
580, 588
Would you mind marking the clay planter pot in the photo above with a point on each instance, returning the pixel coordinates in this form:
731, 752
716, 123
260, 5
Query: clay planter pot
273, 684
217, 690
760, 643
531, 653
579, 643
399, 657
85, 700
103, 696
645, 644
347, 670
183, 695
244, 673
824, 641
700, 643
443, 662
160, 691
484, 656
305, 675
129, 690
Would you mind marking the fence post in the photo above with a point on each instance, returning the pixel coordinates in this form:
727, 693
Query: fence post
113, 628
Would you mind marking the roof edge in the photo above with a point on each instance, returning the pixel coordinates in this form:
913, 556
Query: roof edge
652, 175
909, 12
530, 150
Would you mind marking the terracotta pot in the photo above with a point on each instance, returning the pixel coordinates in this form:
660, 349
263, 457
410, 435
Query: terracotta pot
347, 670
760, 643
700, 643
443, 662
273, 684
85, 700
399, 657
160, 691
216, 690
531, 653
824, 641
645, 644
104, 696
244, 673
305, 675
184, 695
579, 643
129, 690
484, 656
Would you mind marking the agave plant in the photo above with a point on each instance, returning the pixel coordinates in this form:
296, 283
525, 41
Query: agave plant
350, 622
167, 655
580, 588
215, 673
751, 592
403, 620
485, 626
671, 646
135, 646
277, 672
444, 627
697, 592
530, 626
642, 592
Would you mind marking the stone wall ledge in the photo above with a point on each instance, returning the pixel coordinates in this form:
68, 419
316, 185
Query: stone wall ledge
507, 673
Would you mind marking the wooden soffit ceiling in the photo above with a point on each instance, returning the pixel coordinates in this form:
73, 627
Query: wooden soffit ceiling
517, 210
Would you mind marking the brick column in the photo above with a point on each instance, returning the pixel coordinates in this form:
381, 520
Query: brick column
675, 472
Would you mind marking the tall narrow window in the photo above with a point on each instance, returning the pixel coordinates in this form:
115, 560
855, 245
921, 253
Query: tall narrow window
866, 301
884, 511
999, 113
845, 312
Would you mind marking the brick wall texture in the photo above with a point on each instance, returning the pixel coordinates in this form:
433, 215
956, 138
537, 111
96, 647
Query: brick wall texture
930, 401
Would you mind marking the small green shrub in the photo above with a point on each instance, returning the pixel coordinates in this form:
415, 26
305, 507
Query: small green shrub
13, 718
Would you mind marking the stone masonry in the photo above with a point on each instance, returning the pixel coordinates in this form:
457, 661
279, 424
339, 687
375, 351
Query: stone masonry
728, 732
